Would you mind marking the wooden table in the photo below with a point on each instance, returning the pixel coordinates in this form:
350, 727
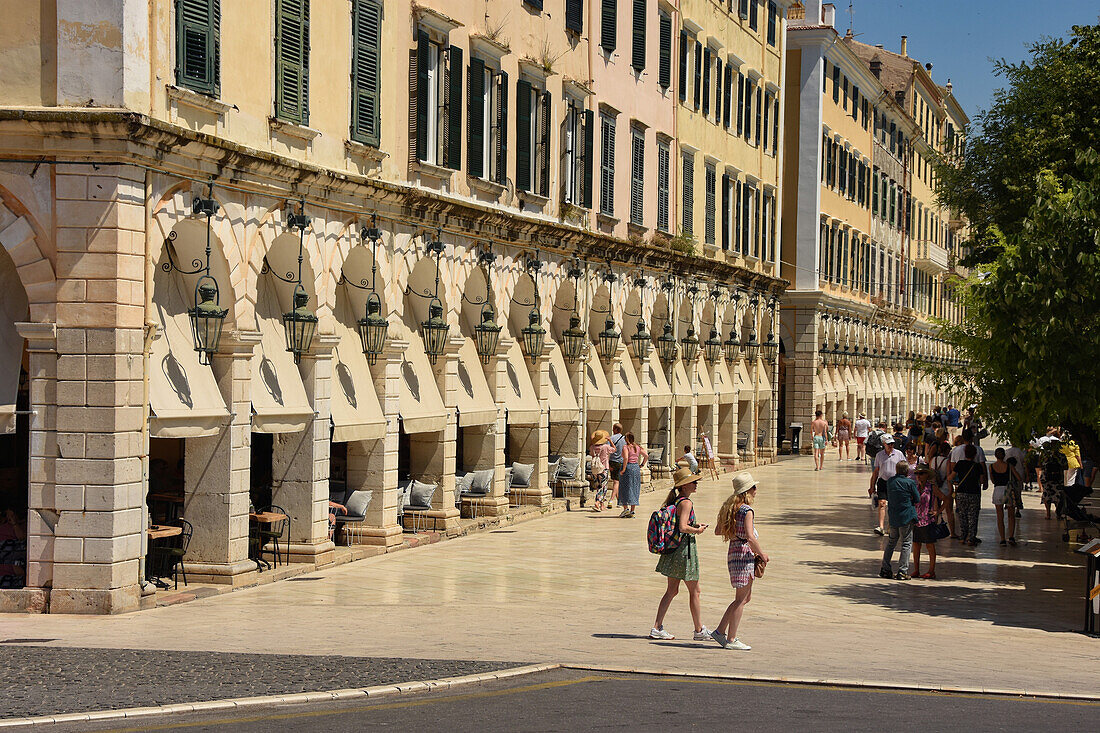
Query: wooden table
267, 517
160, 531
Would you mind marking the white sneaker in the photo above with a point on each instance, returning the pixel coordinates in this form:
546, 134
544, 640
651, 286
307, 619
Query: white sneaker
703, 634
738, 645
660, 634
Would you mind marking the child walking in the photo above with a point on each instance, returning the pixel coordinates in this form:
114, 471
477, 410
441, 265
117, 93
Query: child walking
735, 524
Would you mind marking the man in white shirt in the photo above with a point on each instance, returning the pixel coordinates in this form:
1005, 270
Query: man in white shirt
886, 466
959, 451
862, 429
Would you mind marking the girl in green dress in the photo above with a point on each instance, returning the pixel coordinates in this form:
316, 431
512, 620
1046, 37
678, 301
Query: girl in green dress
683, 562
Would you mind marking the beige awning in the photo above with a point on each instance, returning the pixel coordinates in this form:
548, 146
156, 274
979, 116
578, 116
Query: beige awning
873, 386
563, 402
473, 398
13, 308
834, 384
184, 398
704, 388
597, 390
724, 385
744, 382
854, 382
519, 393
654, 382
819, 387
356, 413
627, 386
764, 385
421, 406
682, 392
279, 402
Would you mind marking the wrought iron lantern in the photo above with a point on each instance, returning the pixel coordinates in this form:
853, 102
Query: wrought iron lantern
752, 349
712, 347
770, 349
690, 344
573, 340
372, 326
609, 340
732, 347
666, 345
641, 342
533, 334
487, 331
434, 330
300, 323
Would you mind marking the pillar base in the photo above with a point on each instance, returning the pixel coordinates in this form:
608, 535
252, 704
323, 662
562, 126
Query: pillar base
236, 574
25, 600
89, 601
488, 506
535, 496
433, 520
322, 552
390, 536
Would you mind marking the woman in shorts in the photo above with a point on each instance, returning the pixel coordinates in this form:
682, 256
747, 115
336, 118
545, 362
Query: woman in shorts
843, 438
1001, 475
928, 519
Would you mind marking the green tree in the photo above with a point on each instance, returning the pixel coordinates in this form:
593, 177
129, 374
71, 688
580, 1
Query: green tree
1029, 183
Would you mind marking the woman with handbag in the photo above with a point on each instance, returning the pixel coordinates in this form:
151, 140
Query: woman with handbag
746, 558
940, 463
969, 478
929, 529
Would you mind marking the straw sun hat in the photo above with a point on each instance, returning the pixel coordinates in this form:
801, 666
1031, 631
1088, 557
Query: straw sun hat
599, 437
743, 483
683, 475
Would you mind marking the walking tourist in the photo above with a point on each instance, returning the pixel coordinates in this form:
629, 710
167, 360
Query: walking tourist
630, 485
957, 453
737, 526
873, 444
862, 430
927, 531
820, 430
615, 462
598, 471
939, 463
969, 478
903, 498
1016, 480
1000, 475
843, 438
953, 420
683, 562
1053, 469
886, 465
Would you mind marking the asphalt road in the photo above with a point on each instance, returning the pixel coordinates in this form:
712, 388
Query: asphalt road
571, 700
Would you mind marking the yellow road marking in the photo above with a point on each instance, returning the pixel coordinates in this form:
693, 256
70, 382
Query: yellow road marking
586, 680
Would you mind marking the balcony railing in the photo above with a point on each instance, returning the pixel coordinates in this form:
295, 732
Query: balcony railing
930, 257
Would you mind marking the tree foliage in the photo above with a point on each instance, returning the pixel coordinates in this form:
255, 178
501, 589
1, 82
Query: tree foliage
1029, 182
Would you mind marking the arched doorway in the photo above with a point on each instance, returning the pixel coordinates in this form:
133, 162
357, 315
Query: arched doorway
14, 428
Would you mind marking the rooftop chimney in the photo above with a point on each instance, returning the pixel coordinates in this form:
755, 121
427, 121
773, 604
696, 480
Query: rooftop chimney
905, 46
828, 15
878, 45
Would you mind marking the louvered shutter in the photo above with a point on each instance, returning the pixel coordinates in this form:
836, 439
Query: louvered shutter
198, 45
706, 80
637, 178
717, 89
523, 135
683, 66
608, 24
688, 223
740, 103
727, 94
739, 221
662, 187
759, 115
367, 37
586, 163
537, 4
423, 48
475, 119
607, 166
708, 226
775, 127
637, 46
574, 15
544, 152
453, 143
501, 79
744, 8
664, 70
725, 211
292, 61
698, 75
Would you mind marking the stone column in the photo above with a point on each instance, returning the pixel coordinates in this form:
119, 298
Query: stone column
537, 444
216, 472
299, 463
372, 465
41, 507
444, 515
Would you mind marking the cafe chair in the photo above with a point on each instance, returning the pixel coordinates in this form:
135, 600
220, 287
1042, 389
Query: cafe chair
169, 553
273, 533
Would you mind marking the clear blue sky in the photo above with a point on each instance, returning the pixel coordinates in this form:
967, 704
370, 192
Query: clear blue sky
960, 37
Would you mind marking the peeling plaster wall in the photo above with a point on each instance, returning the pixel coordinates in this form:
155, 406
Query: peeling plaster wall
103, 53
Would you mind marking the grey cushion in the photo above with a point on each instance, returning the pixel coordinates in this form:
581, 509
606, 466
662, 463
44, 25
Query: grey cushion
552, 469
567, 468
464, 483
358, 502
508, 476
656, 455
483, 481
421, 495
521, 474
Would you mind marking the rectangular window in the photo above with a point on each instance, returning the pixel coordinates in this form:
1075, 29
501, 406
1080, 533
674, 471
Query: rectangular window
754, 14
608, 24
711, 184
574, 16
607, 165
533, 111
747, 195
773, 22
698, 90
836, 85
738, 218
706, 81
775, 127
756, 224
683, 65
866, 108
292, 61
767, 119
759, 116
726, 218
198, 45
664, 69
438, 98
662, 186
637, 46
687, 223
637, 177
851, 176
366, 29
740, 104
855, 103
743, 8
844, 97
727, 96
577, 155
487, 122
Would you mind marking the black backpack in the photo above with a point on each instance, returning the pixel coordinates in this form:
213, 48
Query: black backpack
873, 444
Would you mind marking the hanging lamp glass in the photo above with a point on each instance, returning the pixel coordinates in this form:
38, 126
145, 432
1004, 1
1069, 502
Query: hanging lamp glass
373, 326
487, 331
712, 348
300, 323
609, 340
573, 340
752, 349
434, 331
690, 344
770, 349
732, 347
206, 317
666, 345
641, 342
533, 335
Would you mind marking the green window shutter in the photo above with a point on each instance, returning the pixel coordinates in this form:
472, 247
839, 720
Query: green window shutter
706, 80
544, 151
198, 45
725, 211
453, 102
475, 120
683, 65
711, 197
292, 61
688, 223
420, 94
608, 24
536, 4
698, 74
586, 164
501, 80
727, 97
523, 135
664, 69
637, 178
637, 47
574, 15
607, 165
662, 187
366, 64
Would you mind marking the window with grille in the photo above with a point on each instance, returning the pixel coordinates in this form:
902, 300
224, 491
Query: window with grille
198, 45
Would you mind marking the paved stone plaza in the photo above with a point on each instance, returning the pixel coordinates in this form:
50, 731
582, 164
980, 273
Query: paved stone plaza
580, 588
